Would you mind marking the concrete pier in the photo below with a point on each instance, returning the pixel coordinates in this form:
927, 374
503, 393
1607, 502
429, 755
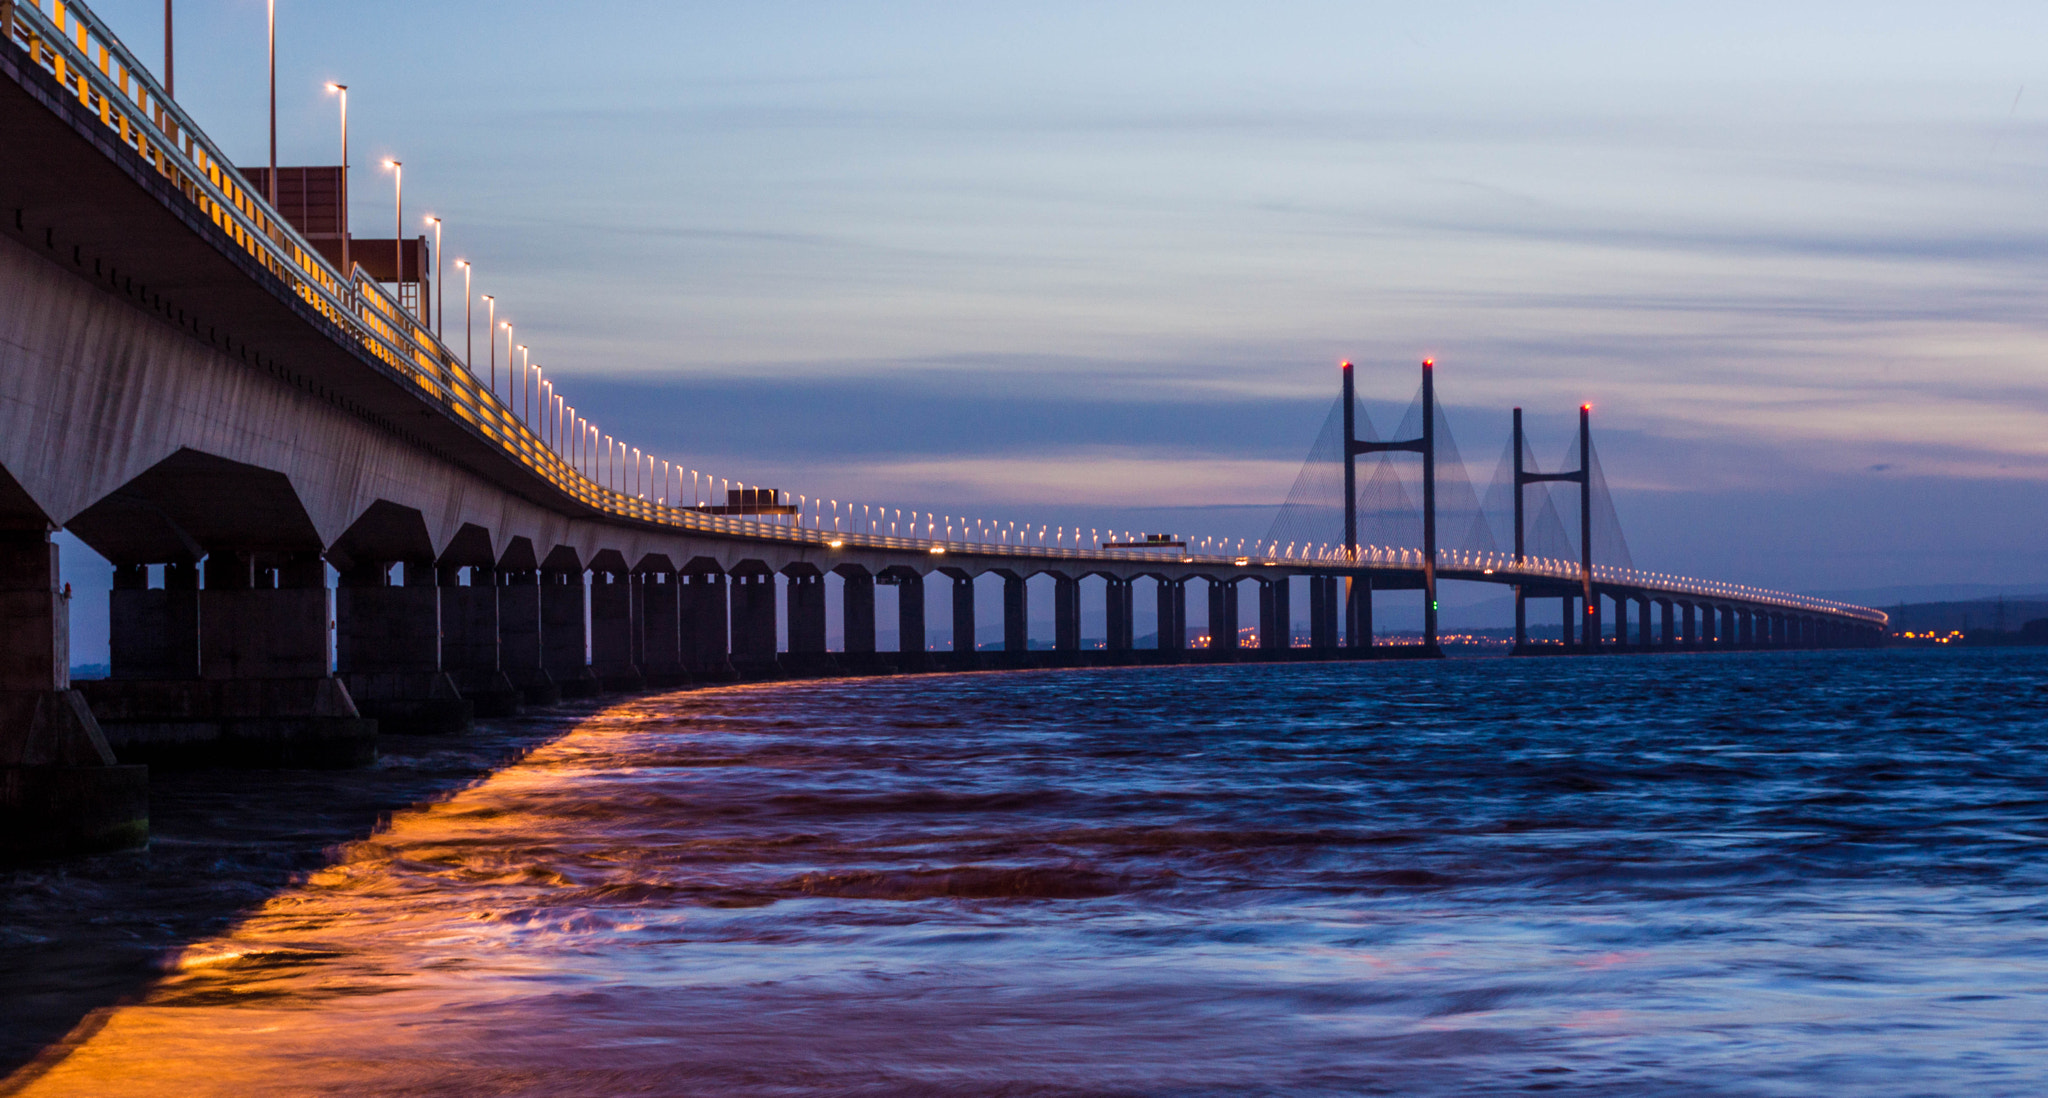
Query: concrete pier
564, 634
963, 617
1358, 610
1016, 622
805, 591
263, 695
612, 635
61, 791
703, 621
388, 650
657, 624
1172, 599
1276, 609
520, 653
1222, 619
753, 621
1066, 612
1117, 613
469, 639
154, 634
910, 635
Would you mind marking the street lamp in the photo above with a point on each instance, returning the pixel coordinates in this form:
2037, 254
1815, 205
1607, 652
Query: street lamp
341, 90
491, 326
522, 382
273, 104
440, 313
506, 396
468, 324
397, 168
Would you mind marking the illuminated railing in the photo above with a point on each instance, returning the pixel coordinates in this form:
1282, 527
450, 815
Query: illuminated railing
89, 63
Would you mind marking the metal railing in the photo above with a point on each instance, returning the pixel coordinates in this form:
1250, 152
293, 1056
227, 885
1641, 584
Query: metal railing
88, 61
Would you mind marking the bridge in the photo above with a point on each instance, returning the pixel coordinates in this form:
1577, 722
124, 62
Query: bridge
324, 520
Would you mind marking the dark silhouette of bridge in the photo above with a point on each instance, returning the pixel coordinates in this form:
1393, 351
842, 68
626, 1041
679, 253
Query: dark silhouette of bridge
192, 384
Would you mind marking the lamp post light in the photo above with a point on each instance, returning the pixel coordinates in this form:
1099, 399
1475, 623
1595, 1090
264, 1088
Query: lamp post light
398, 229
341, 90
440, 312
468, 322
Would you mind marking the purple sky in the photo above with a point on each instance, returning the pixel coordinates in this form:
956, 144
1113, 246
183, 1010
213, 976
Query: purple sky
1096, 264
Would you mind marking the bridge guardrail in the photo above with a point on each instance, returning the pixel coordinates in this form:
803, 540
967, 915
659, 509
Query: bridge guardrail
66, 40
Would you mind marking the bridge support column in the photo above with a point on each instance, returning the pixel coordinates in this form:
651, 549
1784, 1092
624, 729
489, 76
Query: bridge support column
1726, 634
564, 636
1223, 619
60, 790
1066, 612
701, 610
611, 629
1172, 598
963, 618
1276, 615
1322, 613
753, 623
469, 640
1016, 614
1620, 621
1358, 610
1692, 634
154, 634
805, 589
857, 616
910, 638
1521, 620
657, 622
1750, 632
1643, 640
1666, 612
387, 648
1569, 622
1117, 607
1590, 639
264, 695
519, 637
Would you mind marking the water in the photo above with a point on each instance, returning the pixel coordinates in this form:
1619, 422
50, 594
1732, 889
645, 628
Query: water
1771, 874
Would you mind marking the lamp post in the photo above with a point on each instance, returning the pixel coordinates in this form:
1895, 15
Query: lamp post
341, 90
468, 322
440, 313
491, 326
398, 229
273, 104
506, 396
522, 383
170, 66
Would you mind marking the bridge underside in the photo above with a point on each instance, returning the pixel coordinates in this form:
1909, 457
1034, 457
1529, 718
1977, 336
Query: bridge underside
307, 551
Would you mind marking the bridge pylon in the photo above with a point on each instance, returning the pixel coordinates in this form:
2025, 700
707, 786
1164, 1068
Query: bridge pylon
1589, 635
1358, 604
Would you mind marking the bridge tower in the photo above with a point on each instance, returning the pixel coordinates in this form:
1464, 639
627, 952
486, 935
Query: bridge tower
1358, 607
1583, 477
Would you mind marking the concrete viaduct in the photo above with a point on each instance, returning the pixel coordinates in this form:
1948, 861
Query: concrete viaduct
191, 390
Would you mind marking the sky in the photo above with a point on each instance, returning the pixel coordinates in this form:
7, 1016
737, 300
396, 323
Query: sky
1096, 264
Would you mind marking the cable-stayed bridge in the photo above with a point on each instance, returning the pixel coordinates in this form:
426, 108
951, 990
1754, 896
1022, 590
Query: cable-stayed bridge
324, 515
